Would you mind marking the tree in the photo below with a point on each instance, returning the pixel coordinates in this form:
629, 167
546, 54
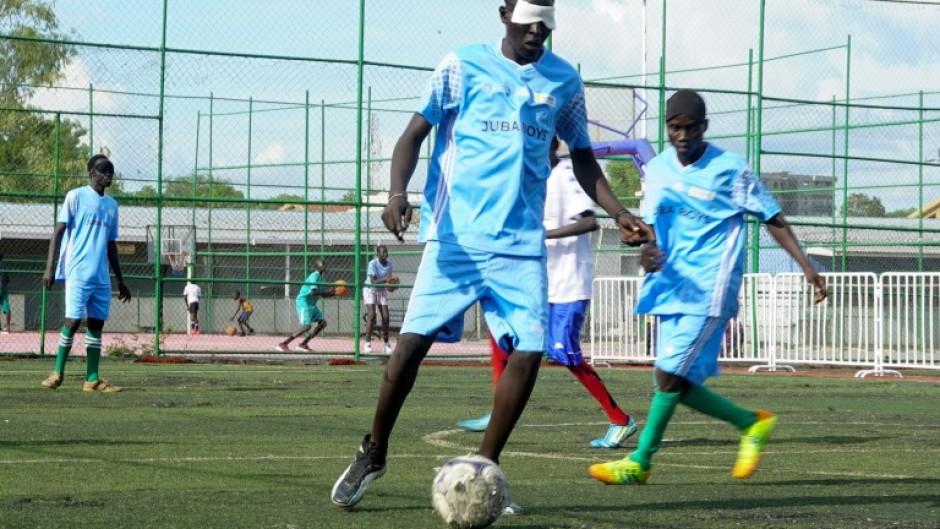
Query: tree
624, 180
25, 64
280, 200
901, 213
190, 187
31, 142
861, 205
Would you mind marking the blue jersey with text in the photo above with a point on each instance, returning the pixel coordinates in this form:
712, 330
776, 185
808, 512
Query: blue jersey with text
495, 120
698, 214
91, 221
310, 285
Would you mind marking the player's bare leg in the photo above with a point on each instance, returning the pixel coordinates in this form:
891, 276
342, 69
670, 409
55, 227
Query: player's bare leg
397, 381
512, 394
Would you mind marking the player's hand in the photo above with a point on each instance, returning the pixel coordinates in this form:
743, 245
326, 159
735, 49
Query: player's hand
397, 216
633, 231
48, 279
651, 258
124, 293
819, 282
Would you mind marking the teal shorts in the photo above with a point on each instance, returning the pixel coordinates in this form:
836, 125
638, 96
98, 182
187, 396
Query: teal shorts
308, 314
5, 301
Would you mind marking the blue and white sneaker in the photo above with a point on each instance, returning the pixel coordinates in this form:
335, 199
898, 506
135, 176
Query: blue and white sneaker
475, 425
616, 435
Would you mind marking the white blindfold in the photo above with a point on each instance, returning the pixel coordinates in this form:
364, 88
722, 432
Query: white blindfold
526, 13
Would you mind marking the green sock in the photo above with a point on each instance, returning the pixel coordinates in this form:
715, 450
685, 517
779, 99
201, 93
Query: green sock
65, 347
93, 352
710, 403
661, 409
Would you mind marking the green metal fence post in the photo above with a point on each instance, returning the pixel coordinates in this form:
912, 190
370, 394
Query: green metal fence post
91, 120
845, 149
758, 130
55, 215
360, 65
920, 183
248, 208
158, 269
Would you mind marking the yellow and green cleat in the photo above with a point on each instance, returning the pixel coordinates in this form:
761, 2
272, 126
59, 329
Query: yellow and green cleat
752, 444
622, 472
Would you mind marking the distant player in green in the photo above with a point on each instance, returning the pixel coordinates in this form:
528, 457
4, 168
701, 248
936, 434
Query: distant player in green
696, 198
243, 312
4, 296
311, 318
88, 222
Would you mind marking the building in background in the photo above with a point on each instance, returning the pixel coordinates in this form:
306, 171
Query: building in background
801, 195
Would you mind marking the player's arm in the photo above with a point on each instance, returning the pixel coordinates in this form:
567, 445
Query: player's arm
633, 231
48, 277
780, 230
397, 214
585, 224
124, 293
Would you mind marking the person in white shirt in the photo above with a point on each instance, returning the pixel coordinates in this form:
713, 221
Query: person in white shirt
569, 220
191, 295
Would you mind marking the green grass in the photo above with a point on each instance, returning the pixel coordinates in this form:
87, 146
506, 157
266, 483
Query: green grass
259, 446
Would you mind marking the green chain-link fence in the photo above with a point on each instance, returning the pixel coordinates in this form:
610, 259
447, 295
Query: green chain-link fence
266, 132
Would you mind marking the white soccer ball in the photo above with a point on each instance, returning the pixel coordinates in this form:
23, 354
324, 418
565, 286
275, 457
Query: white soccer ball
470, 492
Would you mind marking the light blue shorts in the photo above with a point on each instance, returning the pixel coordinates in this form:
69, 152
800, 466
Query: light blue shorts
688, 346
564, 331
308, 314
512, 290
85, 300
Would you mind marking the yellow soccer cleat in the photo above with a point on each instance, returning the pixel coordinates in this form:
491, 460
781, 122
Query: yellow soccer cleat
100, 386
53, 381
752, 443
622, 472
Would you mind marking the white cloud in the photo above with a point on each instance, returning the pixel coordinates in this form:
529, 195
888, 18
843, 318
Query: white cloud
273, 153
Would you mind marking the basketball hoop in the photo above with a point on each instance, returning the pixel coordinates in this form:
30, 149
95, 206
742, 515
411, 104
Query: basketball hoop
177, 262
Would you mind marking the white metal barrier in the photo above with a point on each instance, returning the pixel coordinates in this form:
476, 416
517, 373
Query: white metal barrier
868, 321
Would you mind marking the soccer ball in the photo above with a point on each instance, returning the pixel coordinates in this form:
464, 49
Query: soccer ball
231, 330
470, 492
340, 288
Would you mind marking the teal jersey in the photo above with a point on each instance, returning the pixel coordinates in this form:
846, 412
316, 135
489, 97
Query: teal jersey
310, 285
91, 222
698, 214
495, 121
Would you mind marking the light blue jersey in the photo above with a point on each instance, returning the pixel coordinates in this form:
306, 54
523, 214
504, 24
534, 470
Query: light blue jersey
377, 270
486, 184
698, 214
310, 285
91, 221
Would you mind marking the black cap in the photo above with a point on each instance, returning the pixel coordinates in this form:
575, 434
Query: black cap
686, 102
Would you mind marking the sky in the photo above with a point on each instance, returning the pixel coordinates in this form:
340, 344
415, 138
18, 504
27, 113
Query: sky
887, 52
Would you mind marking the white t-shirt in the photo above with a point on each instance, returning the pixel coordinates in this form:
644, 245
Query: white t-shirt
192, 293
570, 262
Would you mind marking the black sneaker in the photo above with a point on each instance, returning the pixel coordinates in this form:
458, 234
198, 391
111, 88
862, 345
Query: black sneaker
369, 465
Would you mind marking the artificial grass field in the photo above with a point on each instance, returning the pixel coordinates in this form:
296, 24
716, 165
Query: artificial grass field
259, 446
